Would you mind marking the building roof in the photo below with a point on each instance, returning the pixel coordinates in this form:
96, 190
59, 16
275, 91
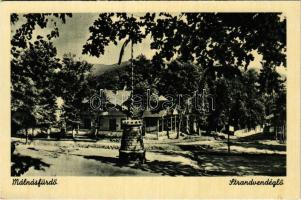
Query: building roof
112, 113
162, 98
269, 116
149, 114
118, 97
161, 113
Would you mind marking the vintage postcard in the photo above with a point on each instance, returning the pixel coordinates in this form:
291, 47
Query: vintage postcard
150, 100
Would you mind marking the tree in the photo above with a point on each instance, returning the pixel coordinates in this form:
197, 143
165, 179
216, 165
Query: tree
107, 30
224, 39
33, 101
238, 102
254, 99
273, 89
33, 65
23, 34
280, 113
222, 94
73, 87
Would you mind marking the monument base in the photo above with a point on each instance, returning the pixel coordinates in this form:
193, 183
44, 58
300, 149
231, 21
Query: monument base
131, 156
132, 147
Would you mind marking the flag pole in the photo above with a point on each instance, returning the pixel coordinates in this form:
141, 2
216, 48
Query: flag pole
132, 77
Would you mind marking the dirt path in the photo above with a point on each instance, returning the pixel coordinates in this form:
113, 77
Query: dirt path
68, 158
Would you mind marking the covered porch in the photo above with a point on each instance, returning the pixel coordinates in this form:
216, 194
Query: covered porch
161, 125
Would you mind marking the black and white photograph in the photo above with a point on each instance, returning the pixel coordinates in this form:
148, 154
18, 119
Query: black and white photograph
198, 94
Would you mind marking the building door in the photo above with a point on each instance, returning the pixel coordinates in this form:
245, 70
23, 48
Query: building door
87, 123
121, 122
112, 124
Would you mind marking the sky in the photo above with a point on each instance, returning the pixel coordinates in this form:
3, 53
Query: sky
75, 33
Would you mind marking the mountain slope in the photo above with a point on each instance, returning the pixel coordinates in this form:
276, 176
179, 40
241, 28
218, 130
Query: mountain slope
99, 69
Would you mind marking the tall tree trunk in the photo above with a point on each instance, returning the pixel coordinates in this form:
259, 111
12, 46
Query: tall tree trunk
187, 124
26, 136
179, 126
198, 128
167, 126
275, 129
228, 141
284, 133
167, 132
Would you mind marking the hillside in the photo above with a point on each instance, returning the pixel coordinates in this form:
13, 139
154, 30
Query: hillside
99, 69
